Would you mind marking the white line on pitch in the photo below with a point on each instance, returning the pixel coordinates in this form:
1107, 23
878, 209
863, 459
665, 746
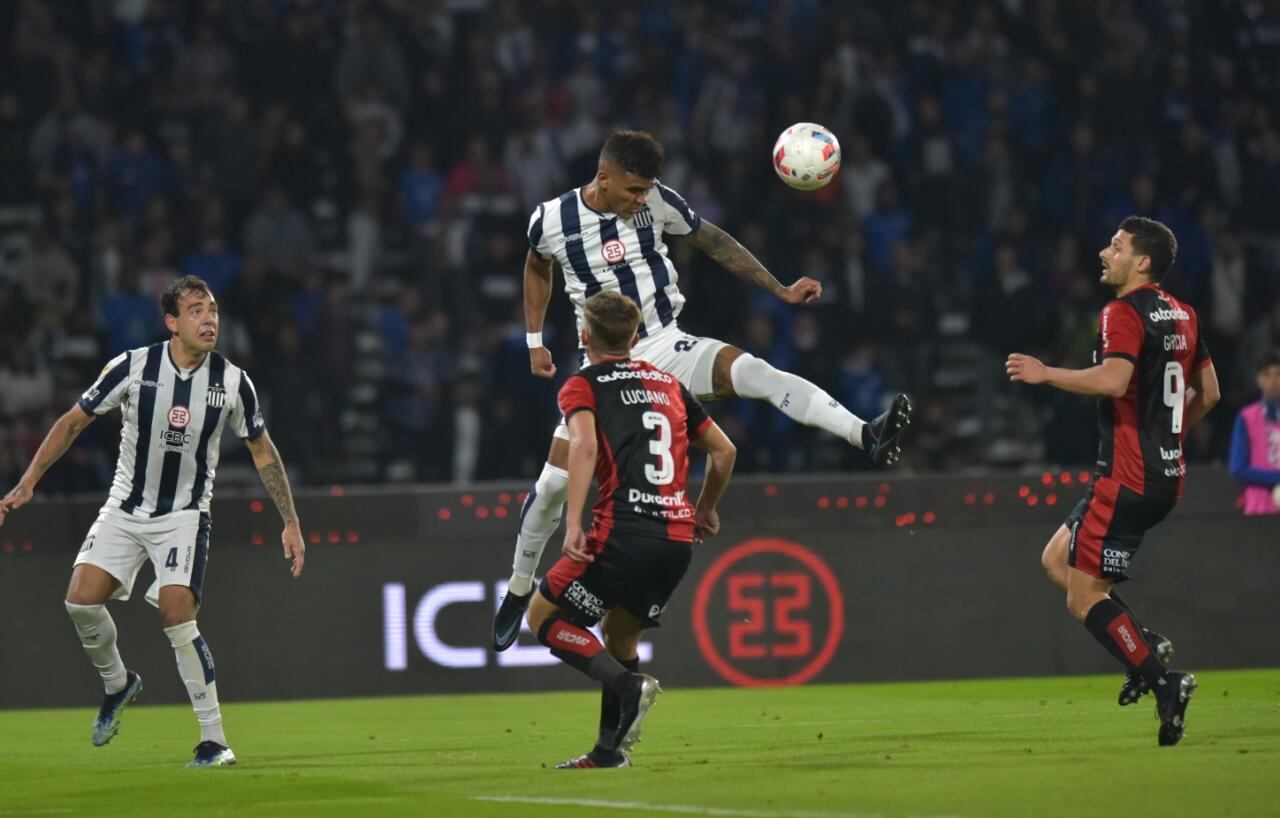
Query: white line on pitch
686, 809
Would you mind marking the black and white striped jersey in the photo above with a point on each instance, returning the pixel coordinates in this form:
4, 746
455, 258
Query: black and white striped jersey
599, 251
172, 425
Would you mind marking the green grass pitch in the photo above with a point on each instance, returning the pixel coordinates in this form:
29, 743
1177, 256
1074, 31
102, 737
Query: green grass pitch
972, 749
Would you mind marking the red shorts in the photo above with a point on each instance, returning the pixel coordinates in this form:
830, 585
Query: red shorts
1107, 527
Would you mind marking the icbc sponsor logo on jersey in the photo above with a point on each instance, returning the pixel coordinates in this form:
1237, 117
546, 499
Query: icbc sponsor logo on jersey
614, 251
768, 612
179, 416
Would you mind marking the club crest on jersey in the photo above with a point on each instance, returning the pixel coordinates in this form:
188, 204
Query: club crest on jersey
215, 396
614, 251
643, 218
179, 416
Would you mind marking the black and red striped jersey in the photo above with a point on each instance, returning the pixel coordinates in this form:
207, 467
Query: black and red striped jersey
1140, 433
645, 420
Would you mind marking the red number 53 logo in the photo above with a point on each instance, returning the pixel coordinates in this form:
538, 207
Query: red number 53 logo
768, 612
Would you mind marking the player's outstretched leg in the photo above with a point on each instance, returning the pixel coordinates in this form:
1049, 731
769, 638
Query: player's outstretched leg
539, 519
883, 436
196, 669
807, 404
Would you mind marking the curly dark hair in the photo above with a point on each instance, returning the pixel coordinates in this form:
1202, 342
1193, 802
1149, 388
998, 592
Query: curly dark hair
180, 287
1153, 240
635, 152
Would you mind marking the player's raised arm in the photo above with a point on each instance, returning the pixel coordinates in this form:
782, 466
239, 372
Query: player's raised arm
582, 463
60, 437
266, 459
537, 295
731, 255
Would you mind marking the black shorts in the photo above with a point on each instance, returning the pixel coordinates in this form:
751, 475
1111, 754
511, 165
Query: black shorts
1107, 527
630, 571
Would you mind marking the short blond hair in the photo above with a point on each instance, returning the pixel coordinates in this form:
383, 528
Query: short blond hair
612, 319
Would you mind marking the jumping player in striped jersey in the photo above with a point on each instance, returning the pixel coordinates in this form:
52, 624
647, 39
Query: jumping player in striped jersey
1154, 379
610, 235
176, 397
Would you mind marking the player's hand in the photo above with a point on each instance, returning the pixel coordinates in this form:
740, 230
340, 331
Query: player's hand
706, 524
17, 498
540, 362
803, 291
575, 545
294, 547
1026, 369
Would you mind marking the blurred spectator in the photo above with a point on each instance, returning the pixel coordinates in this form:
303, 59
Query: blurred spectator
355, 180
24, 386
1255, 442
278, 234
49, 277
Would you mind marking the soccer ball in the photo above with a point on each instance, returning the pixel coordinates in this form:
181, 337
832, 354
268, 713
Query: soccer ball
806, 156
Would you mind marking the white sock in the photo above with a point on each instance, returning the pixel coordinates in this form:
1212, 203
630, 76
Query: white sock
195, 667
539, 519
795, 397
97, 631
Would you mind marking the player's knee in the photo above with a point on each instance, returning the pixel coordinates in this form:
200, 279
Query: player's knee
748, 370
540, 610
552, 485
172, 617
177, 608
81, 611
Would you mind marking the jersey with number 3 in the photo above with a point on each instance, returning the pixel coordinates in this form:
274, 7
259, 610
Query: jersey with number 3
1140, 433
645, 420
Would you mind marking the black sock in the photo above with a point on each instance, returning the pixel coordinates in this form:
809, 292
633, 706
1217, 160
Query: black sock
611, 708
1115, 597
1118, 632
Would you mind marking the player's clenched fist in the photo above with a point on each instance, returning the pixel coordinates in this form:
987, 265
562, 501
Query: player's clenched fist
540, 362
803, 291
1025, 368
706, 524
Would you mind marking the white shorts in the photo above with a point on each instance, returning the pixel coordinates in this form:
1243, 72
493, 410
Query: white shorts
177, 545
690, 358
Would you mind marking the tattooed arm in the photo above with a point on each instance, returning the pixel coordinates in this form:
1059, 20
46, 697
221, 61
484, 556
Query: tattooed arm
271, 469
729, 254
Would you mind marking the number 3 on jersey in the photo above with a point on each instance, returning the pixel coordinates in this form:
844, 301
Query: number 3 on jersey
1175, 392
665, 471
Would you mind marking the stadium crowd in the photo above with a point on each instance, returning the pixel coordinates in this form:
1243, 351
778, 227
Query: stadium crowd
354, 180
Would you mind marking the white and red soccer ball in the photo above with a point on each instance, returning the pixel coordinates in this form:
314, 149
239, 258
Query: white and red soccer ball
806, 156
